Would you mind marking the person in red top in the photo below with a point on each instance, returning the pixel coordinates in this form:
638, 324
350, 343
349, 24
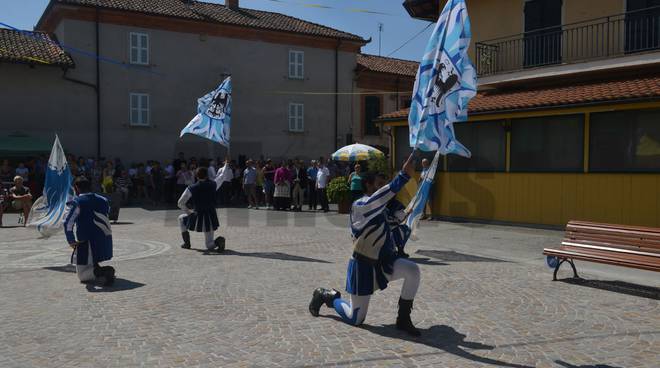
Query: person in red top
282, 187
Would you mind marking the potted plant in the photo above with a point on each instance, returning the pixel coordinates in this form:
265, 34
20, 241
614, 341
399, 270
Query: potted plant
340, 192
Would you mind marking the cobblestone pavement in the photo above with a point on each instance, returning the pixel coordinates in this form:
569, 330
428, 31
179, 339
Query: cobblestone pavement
248, 307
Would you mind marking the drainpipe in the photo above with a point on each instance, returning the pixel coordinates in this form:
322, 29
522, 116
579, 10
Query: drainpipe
337, 93
98, 89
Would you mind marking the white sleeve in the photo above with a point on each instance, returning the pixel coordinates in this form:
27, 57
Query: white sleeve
185, 197
224, 174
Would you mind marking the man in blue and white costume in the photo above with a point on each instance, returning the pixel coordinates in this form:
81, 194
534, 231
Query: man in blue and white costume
202, 217
376, 260
92, 241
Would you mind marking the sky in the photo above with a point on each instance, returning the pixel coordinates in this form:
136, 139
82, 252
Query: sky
345, 15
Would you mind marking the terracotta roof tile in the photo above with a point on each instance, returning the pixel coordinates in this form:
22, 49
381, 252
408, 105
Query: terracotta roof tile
382, 64
218, 13
593, 92
32, 48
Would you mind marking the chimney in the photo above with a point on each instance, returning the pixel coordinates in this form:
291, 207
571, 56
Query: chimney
232, 4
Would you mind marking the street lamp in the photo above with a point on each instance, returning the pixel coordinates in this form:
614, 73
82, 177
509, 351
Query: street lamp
423, 9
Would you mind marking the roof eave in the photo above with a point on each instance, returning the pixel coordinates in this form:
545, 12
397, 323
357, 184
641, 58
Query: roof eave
357, 39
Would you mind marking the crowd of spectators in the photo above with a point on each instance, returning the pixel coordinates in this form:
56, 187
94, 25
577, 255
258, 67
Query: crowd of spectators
282, 185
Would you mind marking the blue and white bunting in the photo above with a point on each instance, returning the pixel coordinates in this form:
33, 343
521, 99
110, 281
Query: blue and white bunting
213, 119
49, 211
446, 81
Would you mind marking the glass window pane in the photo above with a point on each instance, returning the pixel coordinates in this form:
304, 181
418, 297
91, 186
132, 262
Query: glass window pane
134, 55
144, 41
548, 144
371, 112
134, 40
625, 141
145, 102
486, 141
143, 56
144, 117
300, 58
299, 71
134, 116
134, 101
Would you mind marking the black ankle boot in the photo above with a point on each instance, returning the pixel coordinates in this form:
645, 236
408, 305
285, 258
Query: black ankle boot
186, 240
322, 296
219, 244
402, 253
403, 321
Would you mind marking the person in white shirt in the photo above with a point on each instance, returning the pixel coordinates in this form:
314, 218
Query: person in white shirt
212, 170
322, 178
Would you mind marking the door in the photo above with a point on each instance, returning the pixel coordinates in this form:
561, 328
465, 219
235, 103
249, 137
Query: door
543, 32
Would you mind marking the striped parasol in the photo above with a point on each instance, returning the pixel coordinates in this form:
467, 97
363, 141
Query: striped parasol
357, 152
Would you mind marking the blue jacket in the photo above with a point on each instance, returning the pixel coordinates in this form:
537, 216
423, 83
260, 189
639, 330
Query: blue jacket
89, 214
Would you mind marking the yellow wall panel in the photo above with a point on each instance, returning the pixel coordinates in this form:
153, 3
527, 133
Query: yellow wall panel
550, 199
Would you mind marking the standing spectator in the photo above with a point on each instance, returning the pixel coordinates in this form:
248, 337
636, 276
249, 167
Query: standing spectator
426, 164
123, 184
312, 171
299, 185
260, 183
6, 172
97, 177
355, 181
181, 159
157, 182
236, 182
23, 172
250, 184
139, 182
82, 167
322, 179
108, 174
183, 177
168, 190
269, 183
282, 191
21, 198
212, 170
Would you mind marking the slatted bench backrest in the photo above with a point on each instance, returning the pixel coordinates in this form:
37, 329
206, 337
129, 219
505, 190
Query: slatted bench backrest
635, 238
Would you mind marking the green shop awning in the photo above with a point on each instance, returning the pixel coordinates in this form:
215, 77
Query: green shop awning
18, 144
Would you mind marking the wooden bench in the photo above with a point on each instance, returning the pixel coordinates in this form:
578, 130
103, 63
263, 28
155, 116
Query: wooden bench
618, 245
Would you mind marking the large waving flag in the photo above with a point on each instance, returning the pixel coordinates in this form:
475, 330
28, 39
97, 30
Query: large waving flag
49, 211
416, 206
213, 119
446, 81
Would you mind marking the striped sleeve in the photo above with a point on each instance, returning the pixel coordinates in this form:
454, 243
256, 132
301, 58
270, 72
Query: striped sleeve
364, 211
70, 221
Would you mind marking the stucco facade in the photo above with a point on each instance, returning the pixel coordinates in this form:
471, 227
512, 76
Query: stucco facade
183, 66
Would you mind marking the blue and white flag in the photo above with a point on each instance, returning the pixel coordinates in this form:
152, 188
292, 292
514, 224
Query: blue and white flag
446, 81
213, 120
49, 211
416, 206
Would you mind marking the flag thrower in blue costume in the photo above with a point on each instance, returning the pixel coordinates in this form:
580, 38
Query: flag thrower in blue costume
92, 240
49, 211
376, 260
446, 81
213, 119
198, 203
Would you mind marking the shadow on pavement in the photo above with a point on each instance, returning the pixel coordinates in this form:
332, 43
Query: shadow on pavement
68, 268
266, 255
567, 365
122, 223
119, 285
451, 256
445, 338
427, 261
620, 287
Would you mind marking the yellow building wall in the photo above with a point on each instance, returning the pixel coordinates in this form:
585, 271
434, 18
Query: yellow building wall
548, 199
581, 10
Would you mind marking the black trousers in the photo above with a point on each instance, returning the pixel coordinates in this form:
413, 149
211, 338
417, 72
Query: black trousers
323, 199
311, 190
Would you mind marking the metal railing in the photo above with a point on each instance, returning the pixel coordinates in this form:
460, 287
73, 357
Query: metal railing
617, 35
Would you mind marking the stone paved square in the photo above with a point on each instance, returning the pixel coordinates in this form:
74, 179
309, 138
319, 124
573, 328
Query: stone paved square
486, 299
